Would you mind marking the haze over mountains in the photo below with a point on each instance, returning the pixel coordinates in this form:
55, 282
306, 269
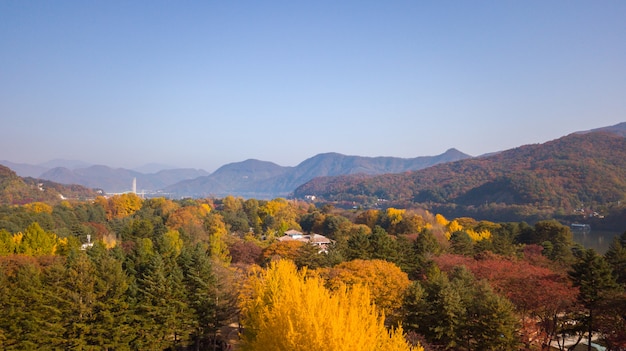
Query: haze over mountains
261, 179
250, 178
265, 180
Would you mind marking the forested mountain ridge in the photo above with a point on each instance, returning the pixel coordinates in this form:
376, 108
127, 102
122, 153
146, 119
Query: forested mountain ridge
23, 169
16, 190
260, 179
575, 170
249, 178
618, 129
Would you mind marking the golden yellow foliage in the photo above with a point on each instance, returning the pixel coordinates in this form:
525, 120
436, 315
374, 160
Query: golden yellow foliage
35, 241
441, 220
109, 240
395, 215
464, 224
478, 235
216, 228
38, 207
386, 282
284, 213
205, 208
454, 226
282, 310
467, 222
287, 250
62, 244
164, 206
232, 204
188, 216
120, 206
17, 239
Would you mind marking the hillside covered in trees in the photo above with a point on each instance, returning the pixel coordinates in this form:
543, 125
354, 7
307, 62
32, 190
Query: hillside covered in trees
129, 273
17, 190
576, 172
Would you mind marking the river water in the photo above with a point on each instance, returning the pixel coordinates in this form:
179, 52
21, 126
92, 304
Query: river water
594, 239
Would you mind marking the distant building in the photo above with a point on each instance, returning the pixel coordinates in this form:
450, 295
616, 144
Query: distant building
318, 240
88, 244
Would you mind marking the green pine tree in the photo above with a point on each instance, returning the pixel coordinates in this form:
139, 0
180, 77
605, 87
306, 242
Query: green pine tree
199, 282
594, 278
111, 318
616, 257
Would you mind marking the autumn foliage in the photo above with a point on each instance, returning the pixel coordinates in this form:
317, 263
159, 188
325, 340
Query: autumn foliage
386, 282
282, 309
538, 293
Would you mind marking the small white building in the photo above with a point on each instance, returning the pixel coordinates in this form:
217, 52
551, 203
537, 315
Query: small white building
88, 244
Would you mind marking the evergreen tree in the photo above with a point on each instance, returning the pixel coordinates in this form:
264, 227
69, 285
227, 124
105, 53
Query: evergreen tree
112, 318
383, 247
503, 240
593, 276
414, 307
461, 243
426, 244
358, 247
616, 257
407, 258
199, 283
78, 296
490, 321
309, 255
458, 312
441, 311
30, 318
163, 312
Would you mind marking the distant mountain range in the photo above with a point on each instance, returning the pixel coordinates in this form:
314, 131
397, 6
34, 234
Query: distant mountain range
582, 167
250, 178
586, 169
117, 180
265, 180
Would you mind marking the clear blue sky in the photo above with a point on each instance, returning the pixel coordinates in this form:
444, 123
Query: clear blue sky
204, 83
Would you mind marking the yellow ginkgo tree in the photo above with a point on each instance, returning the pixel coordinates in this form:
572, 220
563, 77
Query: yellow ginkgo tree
286, 309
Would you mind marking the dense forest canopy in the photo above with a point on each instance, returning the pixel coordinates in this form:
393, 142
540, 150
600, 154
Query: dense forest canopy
123, 272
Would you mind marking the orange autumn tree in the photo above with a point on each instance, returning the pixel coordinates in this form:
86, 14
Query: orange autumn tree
120, 206
282, 310
386, 281
288, 250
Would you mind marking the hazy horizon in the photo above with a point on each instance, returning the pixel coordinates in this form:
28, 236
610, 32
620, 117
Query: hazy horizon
202, 84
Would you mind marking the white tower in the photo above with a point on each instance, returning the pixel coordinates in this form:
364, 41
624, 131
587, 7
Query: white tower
134, 185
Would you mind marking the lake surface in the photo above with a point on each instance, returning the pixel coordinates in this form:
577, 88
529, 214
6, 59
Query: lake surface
595, 239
